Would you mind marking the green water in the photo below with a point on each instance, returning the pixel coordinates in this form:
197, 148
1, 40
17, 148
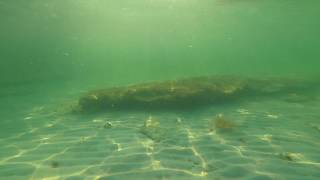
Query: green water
52, 52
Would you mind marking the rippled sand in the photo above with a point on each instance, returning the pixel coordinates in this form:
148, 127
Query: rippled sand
269, 139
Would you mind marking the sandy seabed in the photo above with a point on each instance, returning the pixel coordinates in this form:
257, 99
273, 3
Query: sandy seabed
270, 138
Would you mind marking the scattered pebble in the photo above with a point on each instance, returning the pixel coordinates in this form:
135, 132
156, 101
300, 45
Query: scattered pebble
272, 116
49, 125
243, 111
266, 137
179, 120
107, 125
97, 120
290, 156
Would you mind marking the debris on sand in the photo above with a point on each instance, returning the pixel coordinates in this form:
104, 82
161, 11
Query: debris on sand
220, 122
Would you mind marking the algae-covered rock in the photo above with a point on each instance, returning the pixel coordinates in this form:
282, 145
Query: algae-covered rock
183, 93
167, 94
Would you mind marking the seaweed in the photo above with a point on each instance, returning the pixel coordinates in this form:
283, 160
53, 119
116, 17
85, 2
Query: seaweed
220, 122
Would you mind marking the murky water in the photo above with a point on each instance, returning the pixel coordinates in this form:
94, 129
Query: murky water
53, 53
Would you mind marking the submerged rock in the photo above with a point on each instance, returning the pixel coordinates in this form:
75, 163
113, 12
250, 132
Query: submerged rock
184, 93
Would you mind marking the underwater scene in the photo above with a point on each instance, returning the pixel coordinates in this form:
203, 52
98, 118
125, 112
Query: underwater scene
159, 89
